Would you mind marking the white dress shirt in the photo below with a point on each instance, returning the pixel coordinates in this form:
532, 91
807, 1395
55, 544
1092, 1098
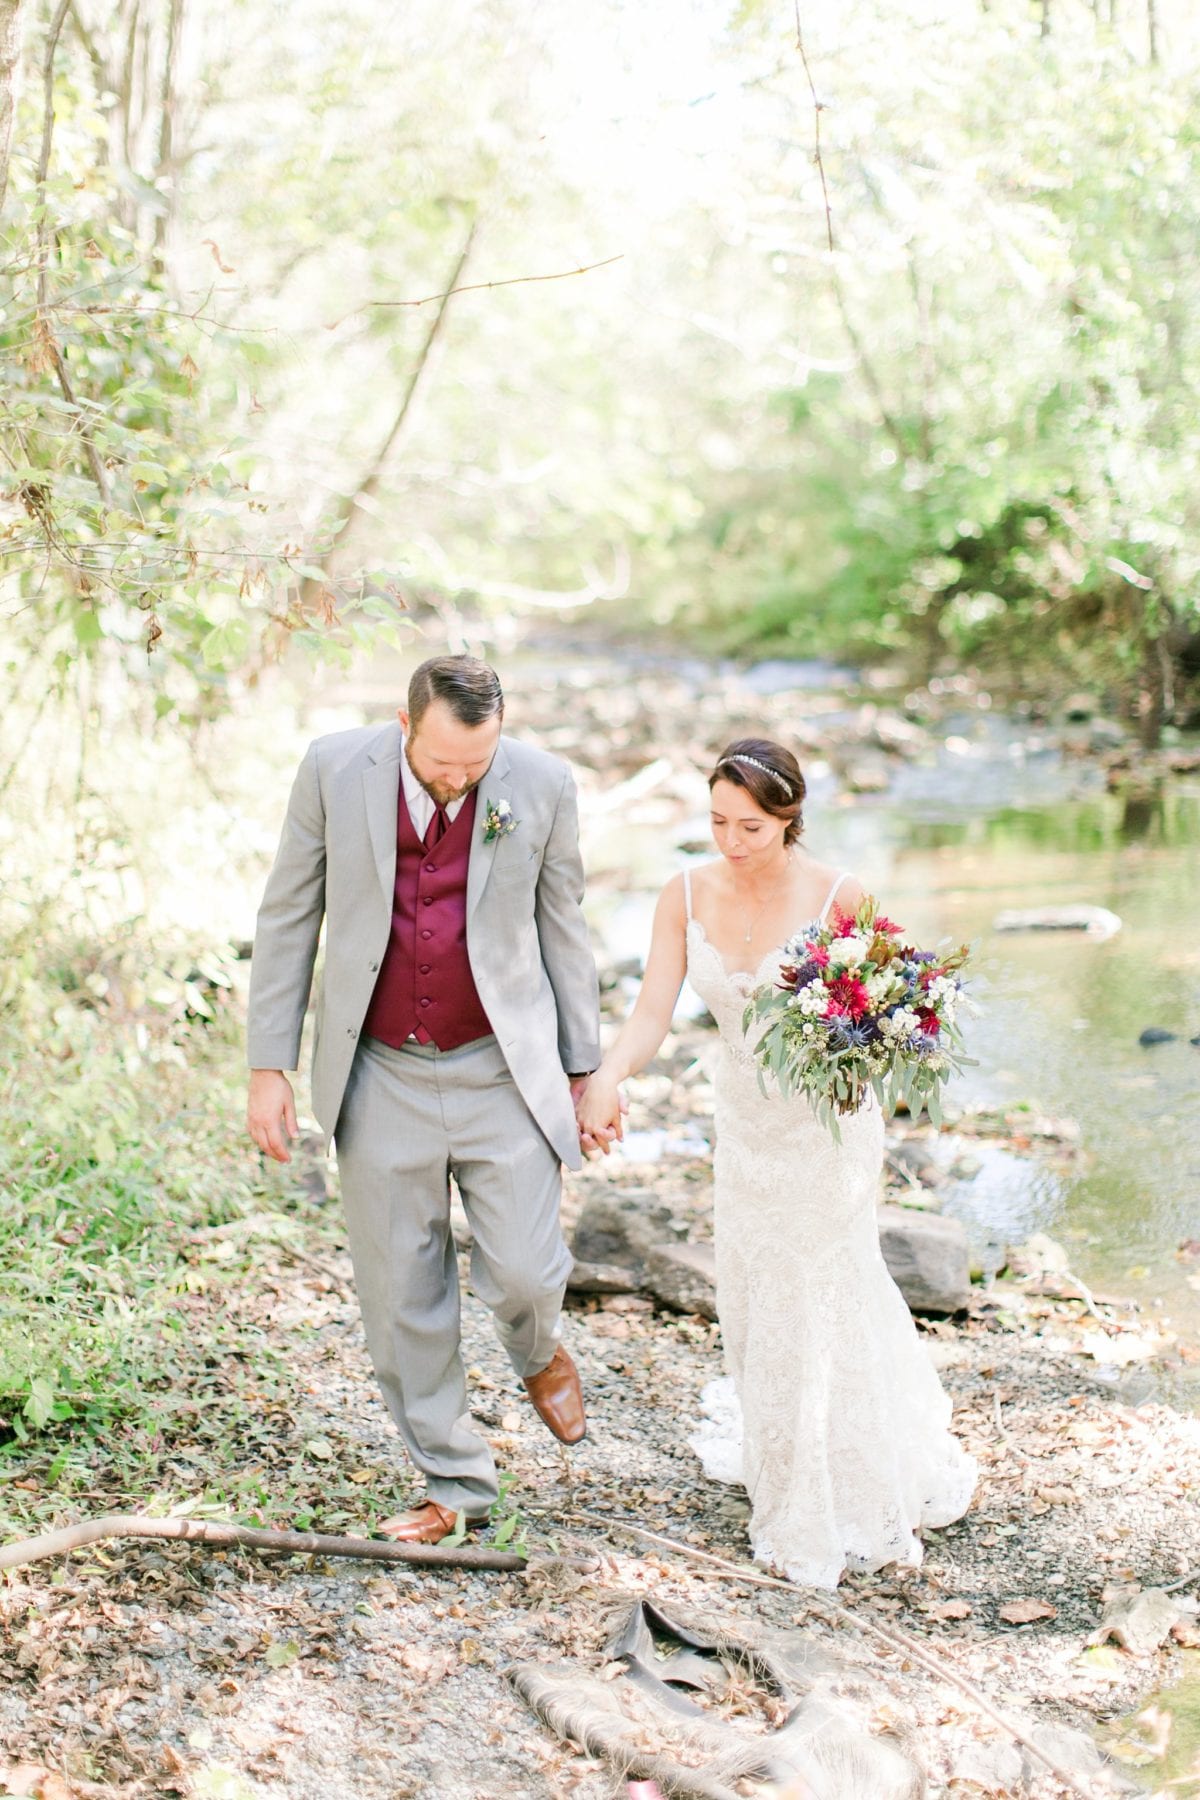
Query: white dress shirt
420, 804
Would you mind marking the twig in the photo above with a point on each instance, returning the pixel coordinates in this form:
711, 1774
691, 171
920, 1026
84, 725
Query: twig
1184, 1581
351, 506
476, 287
906, 1645
294, 1543
818, 109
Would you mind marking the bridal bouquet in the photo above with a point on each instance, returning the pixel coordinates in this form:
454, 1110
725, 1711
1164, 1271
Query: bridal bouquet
857, 1010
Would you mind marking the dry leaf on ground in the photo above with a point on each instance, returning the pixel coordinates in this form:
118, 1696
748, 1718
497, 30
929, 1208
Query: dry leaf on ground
1024, 1612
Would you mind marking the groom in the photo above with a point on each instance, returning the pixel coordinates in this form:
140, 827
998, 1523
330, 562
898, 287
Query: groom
457, 1009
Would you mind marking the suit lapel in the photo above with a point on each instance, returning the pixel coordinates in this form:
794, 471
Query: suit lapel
496, 785
381, 792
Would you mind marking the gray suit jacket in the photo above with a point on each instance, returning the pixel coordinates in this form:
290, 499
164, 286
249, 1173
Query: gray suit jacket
526, 936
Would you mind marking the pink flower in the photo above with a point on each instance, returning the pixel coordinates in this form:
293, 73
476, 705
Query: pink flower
850, 995
819, 955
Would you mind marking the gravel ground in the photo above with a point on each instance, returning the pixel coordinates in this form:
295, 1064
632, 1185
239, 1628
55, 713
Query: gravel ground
148, 1670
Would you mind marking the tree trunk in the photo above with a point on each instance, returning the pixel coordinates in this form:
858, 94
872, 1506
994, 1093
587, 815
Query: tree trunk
1152, 28
166, 129
10, 54
1155, 692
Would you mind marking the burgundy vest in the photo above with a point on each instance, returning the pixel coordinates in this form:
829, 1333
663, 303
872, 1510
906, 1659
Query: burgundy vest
425, 987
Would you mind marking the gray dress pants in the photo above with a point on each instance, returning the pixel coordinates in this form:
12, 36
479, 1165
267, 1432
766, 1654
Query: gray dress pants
411, 1119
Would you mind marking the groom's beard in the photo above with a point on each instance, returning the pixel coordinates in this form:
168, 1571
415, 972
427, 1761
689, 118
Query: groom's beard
441, 792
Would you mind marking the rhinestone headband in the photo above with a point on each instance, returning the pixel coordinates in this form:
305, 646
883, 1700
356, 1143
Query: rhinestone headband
766, 769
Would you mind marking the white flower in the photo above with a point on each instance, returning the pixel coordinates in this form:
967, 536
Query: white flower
849, 950
902, 1023
812, 999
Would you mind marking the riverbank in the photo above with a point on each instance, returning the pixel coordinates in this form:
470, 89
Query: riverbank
213, 1359
137, 1669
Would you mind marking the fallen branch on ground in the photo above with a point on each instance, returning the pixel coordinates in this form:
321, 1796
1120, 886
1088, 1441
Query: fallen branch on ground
223, 1536
897, 1640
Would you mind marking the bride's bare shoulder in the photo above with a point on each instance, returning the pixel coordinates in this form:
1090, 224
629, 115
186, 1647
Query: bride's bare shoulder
707, 877
821, 877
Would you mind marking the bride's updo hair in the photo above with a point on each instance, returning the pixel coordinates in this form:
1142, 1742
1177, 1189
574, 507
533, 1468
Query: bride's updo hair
770, 775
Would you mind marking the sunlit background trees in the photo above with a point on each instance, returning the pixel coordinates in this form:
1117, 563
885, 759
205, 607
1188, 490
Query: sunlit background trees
965, 430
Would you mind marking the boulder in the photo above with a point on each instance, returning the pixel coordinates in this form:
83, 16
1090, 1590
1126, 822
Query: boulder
602, 1278
620, 1227
1155, 1034
915, 1158
683, 1277
1096, 921
927, 1257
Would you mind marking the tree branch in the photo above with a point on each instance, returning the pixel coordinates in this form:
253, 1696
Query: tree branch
477, 287
367, 487
889, 422
818, 109
295, 1543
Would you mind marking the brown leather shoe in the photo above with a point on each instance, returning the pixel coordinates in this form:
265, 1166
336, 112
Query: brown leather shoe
427, 1524
558, 1398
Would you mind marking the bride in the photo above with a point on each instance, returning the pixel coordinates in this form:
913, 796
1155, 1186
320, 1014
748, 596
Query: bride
831, 1414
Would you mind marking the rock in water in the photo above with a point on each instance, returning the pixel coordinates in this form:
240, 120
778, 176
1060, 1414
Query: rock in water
1154, 1034
927, 1258
1096, 921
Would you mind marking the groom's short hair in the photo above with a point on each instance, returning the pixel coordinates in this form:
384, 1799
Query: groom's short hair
470, 688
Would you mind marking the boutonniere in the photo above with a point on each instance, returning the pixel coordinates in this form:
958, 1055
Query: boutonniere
498, 820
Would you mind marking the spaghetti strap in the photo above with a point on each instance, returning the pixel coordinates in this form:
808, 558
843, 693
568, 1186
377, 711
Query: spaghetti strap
844, 876
687, 893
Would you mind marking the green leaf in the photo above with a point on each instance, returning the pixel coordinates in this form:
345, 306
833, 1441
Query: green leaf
279, 1656
226, 644
88, 630
39, 1408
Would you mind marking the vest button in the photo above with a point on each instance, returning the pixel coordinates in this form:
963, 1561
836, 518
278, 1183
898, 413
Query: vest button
431, 868
423, 1003
425, 968
427, 934
428, 900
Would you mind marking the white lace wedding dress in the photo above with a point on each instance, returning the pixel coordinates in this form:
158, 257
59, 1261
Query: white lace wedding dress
832, 1415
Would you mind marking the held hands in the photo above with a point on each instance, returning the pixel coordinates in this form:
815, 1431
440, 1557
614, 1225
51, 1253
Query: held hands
271, 1113
599, 1109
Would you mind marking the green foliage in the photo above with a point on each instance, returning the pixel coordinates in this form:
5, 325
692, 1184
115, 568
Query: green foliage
134, 1360
1003, 466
